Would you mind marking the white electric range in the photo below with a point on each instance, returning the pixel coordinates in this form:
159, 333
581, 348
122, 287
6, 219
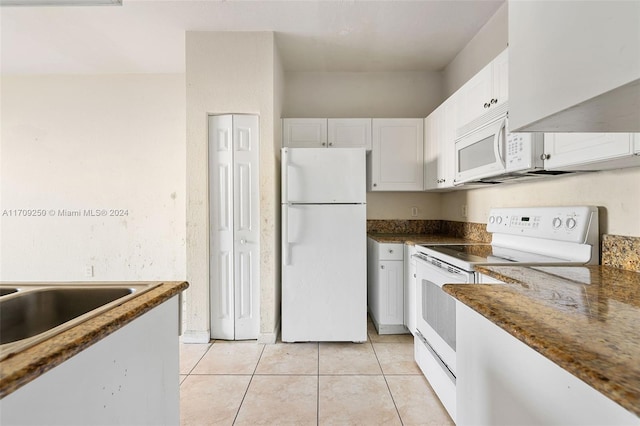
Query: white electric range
520, 236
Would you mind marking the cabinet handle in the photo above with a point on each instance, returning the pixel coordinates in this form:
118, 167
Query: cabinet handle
381, 266
414, 276
324, 144
487, 105
375, 184
494, 101
390, 251
330, 143
545, 156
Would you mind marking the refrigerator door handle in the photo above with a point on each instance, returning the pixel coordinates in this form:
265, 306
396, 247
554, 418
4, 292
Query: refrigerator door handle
285, 176
285, 234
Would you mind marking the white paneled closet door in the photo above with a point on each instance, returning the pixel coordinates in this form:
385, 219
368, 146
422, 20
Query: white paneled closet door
234, 263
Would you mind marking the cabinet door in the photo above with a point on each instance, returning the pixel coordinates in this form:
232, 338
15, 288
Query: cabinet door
396, 160
447, 139
432, 149
500, 75
586, 151
391, 302
440, 131
304, 132
486, 90
349, 133
475, 96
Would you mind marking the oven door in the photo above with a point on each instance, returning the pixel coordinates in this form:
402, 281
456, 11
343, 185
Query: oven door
481, 153
436, 315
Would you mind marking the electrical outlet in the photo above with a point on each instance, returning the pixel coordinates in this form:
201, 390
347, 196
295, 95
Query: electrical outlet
414, 211
88, 271
463, 210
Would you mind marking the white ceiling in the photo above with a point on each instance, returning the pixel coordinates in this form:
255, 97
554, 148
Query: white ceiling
147, 36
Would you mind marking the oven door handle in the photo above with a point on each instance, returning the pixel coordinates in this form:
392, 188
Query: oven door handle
454, 276
435, 355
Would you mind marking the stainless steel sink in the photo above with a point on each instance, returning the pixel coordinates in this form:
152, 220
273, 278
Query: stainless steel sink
31, 313
7, 290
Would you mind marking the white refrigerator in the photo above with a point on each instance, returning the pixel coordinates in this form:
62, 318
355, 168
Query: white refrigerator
324, 248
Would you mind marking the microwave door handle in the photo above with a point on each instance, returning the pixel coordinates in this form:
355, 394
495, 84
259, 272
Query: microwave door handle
500, 140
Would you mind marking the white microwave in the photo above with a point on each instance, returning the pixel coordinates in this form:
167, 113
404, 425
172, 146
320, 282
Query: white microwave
490, 154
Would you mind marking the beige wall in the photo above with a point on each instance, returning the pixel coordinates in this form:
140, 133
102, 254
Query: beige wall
362, 94
375, 95
229, 72
398, 205
275, 259
91, 142
616, 192
483, 47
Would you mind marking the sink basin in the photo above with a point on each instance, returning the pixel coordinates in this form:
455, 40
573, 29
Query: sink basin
37, 311
7, 290
31, 313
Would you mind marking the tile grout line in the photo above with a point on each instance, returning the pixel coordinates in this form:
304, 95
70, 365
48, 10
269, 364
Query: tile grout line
387, 383
248, 386
318, 388
198, 361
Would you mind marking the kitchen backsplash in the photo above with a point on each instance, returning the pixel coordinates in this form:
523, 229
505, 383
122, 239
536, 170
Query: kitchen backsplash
621, 252
469, 230
378, 226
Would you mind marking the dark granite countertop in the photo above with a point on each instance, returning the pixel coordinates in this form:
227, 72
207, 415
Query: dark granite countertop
25, 366
400, 238
586, 319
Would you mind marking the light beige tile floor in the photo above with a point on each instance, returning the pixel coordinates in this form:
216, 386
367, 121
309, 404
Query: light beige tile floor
246, 383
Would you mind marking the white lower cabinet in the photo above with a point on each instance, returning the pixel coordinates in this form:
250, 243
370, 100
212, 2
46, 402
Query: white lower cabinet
130, 377
502, 381
385, 286
590, 151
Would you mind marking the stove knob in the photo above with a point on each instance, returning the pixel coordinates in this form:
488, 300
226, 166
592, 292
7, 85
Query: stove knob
499, 220
492, 219
571, 223
557, 222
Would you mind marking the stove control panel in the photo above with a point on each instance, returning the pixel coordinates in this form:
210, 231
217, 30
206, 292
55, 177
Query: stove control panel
572, 224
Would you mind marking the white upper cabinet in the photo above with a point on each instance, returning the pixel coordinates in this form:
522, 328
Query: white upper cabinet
350, 133
304, 132
574, 66
440, 133
590, 151
397, 155
323, 132
485, 91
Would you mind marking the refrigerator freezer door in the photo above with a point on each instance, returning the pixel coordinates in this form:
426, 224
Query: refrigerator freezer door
323, 175
324, 280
